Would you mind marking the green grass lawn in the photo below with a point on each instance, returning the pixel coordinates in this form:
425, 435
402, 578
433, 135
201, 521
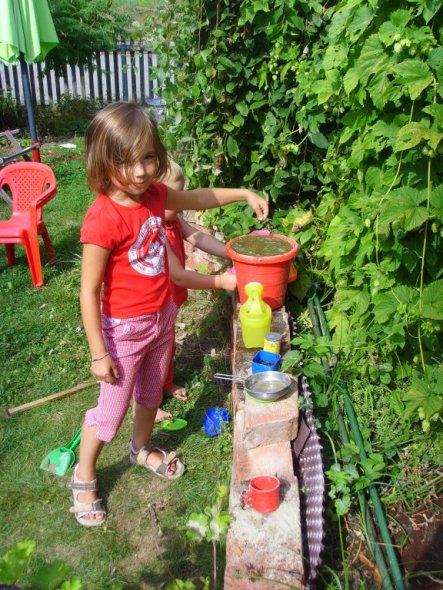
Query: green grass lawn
43, 350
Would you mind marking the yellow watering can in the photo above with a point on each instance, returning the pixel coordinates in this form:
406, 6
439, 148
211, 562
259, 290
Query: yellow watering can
255, 316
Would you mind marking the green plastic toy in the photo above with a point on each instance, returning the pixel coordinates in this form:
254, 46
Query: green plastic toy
60, 460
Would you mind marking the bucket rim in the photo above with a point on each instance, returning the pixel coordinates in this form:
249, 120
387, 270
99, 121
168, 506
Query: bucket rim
237, 257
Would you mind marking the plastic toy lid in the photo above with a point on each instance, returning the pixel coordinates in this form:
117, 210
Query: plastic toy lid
177, 424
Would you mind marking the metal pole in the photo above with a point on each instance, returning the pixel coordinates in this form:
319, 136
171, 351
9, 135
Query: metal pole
29, 107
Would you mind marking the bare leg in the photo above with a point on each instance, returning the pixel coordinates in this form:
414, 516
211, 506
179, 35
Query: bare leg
90, 449
160, 416
144, 419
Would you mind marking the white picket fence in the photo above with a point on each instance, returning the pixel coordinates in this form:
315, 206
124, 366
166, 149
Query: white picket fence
123, 74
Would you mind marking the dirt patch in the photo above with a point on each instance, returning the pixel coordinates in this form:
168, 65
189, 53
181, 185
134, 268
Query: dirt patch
418, 539
422, 555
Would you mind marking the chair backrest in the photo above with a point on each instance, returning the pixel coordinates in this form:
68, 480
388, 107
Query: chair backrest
27, 181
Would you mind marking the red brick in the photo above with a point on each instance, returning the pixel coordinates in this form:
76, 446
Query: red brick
273, 459
262, 551
270, 423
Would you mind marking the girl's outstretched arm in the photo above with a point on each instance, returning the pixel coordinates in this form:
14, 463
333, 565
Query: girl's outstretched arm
211, 198
203, 241
195, 280
93, 267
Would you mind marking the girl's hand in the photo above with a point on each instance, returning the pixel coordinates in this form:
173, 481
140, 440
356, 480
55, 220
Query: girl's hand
105, 370
258, 204
228, 280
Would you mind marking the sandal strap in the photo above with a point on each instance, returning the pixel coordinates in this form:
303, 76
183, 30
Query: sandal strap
82, 487
96, 506
168, 459
165, 465
144, 453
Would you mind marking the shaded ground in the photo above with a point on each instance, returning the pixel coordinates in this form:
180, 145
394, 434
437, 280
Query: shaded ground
422, 554
417, 537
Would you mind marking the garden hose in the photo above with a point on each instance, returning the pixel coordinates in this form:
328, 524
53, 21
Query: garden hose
320, 328
317, 331
371, 533
379, 512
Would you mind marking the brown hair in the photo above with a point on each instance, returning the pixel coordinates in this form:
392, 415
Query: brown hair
118, 136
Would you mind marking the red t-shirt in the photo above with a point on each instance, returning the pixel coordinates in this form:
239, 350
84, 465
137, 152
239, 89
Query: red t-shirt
136, 280
175, 240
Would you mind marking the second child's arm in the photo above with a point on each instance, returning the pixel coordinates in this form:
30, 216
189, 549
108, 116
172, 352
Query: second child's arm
203, 241
93, 267
195, 280
211, 198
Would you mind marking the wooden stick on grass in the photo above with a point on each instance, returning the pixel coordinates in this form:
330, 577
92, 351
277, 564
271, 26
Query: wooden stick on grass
7, 413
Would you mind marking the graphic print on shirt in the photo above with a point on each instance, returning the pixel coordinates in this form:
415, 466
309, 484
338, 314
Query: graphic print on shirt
147, 254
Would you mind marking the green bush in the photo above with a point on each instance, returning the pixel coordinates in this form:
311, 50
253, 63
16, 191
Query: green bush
336, 115
69, 117
11, 116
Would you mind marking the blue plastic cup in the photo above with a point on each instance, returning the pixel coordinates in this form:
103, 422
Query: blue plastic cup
214, 421
266, 361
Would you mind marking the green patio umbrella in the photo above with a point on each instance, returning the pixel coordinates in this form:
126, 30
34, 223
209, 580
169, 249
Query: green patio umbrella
27, 33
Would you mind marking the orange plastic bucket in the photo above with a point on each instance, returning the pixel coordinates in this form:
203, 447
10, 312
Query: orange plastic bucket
271, 271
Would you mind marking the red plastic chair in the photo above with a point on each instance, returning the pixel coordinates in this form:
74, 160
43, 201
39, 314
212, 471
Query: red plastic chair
31, 185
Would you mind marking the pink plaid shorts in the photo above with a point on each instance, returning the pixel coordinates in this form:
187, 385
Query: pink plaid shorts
141, 348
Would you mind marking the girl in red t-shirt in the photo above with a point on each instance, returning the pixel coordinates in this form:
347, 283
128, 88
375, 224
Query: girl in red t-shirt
127, 310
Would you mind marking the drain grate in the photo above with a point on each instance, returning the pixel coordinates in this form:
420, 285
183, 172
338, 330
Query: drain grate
309, 469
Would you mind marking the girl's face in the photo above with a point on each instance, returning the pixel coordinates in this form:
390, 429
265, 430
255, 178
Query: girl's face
137, 177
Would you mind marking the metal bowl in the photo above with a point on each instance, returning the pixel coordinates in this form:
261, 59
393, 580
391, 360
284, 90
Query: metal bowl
268, 385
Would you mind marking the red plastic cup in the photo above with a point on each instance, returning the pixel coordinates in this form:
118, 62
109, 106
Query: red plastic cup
263, 494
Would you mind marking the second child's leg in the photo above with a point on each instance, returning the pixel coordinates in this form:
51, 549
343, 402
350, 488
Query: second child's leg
170, 388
